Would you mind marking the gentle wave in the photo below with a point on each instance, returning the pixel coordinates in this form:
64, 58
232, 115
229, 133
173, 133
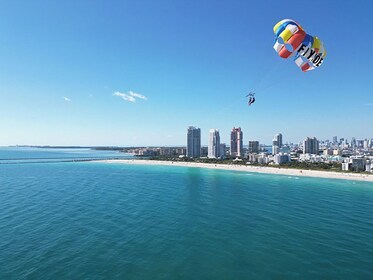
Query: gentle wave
101, 221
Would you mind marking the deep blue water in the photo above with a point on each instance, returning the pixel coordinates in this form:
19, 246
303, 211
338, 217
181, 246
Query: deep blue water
89, 220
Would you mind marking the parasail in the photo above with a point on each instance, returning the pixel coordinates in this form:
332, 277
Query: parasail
291, 40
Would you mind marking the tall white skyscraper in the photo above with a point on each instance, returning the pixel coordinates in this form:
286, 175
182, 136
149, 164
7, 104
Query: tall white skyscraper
193, 142
275, 147
276, 143
214, 144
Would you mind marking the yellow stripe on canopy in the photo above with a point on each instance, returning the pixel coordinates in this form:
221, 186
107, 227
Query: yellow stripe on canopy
324, 53
316, 43
277, 25
286, 34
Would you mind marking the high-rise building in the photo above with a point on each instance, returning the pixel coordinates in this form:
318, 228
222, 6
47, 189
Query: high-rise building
275, 147
236, 142
214, 144
311, 146
276, 143
335, 140
278, 137
353, 142
366, 144
253, 147
360, 143
223, 149
193, 142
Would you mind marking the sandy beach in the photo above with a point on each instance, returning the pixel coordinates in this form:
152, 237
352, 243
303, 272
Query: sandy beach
248, 168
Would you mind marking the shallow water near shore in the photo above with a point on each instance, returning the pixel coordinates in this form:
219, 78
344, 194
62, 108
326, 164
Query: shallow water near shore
105, 221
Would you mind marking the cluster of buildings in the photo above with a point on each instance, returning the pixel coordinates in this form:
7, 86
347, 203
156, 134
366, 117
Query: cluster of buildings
356, 155
280, 153
215, 149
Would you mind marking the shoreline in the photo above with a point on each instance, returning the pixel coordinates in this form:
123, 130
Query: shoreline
248, 168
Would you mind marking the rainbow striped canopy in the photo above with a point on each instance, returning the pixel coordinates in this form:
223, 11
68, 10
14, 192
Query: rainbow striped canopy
291, 40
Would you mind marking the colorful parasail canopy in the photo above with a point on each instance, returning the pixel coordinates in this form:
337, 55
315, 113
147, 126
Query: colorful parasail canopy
291, 40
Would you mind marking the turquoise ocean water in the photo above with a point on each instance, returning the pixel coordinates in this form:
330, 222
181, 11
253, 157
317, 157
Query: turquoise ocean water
89, 220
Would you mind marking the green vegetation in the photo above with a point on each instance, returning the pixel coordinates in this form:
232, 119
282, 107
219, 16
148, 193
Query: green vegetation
319, 166
335, 166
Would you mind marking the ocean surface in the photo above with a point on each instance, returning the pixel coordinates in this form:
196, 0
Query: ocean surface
92, 220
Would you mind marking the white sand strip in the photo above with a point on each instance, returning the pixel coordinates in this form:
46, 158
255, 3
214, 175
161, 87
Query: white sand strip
249, 168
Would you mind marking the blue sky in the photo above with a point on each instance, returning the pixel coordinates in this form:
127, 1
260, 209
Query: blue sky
67, 68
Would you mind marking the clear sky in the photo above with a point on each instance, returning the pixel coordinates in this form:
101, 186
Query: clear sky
140, 72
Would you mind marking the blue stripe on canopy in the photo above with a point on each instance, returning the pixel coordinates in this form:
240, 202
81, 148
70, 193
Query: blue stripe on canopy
283, 26
307, 40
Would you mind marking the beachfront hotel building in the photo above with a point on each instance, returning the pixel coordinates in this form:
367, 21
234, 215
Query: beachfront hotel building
236, 148
214, 144
311, 146
276, 143
281, 158
193, 142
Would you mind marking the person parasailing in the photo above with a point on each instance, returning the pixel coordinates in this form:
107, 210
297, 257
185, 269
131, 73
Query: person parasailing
251, 97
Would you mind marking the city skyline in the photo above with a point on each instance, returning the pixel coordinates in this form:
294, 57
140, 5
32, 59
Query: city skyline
337, 140
137, 73
277, 139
